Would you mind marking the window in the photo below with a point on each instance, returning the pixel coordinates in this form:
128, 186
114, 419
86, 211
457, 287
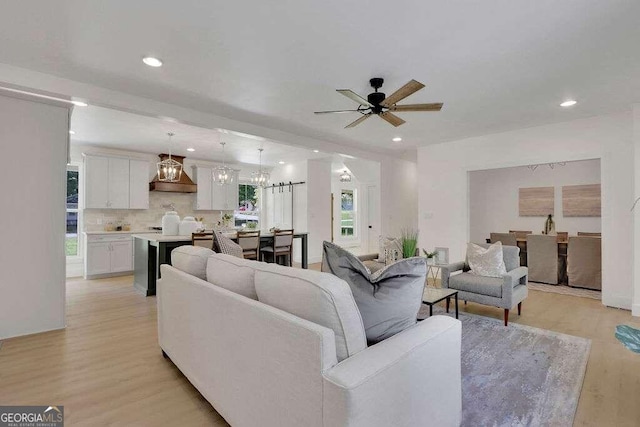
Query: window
348, 213
248, 213
73, 216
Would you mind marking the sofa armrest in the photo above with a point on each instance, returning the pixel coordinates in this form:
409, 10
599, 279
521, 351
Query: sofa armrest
400, 381
446, 270
368, 257
513, 278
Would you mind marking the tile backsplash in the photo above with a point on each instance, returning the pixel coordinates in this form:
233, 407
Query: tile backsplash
141, 220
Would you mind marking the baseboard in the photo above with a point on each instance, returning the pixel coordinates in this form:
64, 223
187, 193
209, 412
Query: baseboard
617, 301
635, 310
75, 269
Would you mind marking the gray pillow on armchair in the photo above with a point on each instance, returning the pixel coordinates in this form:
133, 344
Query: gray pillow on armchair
388, 299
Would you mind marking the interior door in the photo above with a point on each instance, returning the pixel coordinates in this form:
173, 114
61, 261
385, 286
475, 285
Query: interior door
373, 218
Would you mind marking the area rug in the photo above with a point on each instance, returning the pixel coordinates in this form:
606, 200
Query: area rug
518, 375
565, 290
629, 336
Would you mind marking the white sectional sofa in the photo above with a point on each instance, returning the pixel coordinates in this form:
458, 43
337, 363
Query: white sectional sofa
309, 365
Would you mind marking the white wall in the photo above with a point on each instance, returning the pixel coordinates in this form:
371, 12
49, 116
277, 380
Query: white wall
494, 198
33, 136
444, 189
636, 212
318, 206
398, 196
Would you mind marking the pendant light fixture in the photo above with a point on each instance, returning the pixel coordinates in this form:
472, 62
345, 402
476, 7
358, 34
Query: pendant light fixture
260, 178
345, 177
169, 170
223, 175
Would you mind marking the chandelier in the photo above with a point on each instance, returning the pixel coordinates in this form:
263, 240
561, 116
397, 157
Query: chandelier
223, 175
169, 170
260, 178
551, 165
345, 177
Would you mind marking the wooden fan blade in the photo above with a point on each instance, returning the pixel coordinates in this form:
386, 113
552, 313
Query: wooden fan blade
354, 96
436, 106
357, 122
406, 90
391, 118
335, 111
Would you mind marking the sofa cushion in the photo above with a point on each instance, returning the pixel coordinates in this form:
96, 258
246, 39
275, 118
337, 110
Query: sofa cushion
224, 245
191, 259
389, 299
233, 273
486, 261
318, 297
468, 282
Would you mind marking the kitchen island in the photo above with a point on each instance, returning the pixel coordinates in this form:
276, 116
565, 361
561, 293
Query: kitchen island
150, 250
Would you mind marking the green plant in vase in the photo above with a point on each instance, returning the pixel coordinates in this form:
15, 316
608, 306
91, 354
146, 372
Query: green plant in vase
431, 256
409, 242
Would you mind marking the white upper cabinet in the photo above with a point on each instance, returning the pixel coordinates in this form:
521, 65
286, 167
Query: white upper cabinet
211, 196
118, 180
138, 184
116, 183
96, 186
203, 195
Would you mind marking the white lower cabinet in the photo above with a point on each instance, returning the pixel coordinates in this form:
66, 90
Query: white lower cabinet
107, 254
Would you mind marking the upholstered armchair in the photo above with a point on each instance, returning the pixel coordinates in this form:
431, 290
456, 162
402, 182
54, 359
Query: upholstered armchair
502, 292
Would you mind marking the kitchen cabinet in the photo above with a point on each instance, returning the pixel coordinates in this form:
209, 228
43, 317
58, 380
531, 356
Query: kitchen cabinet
138, 184
108, 255
116, 183
211, 196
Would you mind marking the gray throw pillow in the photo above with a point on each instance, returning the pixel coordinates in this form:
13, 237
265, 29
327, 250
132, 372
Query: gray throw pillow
224, 245
389, 299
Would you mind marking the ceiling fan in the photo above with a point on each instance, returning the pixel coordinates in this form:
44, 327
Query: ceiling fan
379, 104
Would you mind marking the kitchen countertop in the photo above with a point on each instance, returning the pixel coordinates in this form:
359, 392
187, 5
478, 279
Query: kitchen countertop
89, 233
158, 237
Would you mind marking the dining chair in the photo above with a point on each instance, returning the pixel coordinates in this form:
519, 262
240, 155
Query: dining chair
204, 239
249, 241
589, 234
542, 258
562, 236
282, 247
521, 238
507, 239
584, 262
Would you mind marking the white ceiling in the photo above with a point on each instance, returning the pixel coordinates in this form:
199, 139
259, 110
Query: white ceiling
497, 65
103, 127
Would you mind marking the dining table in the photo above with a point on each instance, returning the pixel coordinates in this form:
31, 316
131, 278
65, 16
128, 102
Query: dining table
266, 239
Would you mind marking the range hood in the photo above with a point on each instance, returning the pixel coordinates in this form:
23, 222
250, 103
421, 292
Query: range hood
185, 185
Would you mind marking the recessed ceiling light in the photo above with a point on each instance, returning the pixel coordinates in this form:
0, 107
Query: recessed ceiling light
79, 103
71, 132
397, 139
281, 162
191, 149
152, 62
568, 103
316, 151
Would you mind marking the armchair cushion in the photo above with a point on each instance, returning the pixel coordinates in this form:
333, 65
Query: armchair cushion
389, 299
491, 286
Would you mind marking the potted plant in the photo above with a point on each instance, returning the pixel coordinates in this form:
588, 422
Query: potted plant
431, 257
409, 242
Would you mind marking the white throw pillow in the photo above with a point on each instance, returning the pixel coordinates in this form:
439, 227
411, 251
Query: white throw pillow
390, 249
191, 259
318, 297
487, 262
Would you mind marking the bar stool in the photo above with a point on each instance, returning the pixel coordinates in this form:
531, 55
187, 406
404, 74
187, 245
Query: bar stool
204, 239
282, 247
249, 241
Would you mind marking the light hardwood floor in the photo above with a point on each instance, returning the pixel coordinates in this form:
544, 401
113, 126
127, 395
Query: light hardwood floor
106, 367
